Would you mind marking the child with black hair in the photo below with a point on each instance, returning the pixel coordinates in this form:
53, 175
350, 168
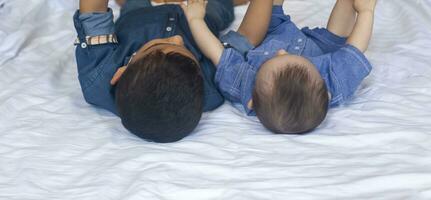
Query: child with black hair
146, 67
291, 78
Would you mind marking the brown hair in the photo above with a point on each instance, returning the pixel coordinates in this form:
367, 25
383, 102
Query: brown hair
295, 104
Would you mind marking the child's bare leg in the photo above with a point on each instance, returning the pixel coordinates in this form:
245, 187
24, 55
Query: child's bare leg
256, 21
343, 18
361, 35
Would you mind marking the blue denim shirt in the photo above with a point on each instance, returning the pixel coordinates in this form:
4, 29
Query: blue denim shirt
342, 66
98, 63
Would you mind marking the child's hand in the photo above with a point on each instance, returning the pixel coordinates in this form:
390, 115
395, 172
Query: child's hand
208, 43
364, 5
195, 9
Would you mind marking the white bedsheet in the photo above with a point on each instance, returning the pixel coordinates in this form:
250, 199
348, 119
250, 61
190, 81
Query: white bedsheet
55, 146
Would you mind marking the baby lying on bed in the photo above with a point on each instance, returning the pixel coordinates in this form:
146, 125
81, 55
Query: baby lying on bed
291, 76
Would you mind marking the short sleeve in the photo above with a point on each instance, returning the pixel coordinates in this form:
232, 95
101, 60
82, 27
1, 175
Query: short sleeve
231, 74
97, 23
343, 72
91, 58
237, 41
95, 57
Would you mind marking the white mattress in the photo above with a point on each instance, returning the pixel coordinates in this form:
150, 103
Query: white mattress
55, 146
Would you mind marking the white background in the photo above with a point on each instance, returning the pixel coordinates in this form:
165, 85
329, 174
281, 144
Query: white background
55, 146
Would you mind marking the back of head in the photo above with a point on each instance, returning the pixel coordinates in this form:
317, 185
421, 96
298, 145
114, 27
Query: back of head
295, 104
160, 97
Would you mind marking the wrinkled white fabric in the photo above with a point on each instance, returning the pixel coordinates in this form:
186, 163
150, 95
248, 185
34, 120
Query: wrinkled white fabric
55, 146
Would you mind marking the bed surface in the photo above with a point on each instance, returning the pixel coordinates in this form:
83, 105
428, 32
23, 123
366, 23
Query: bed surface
55, 146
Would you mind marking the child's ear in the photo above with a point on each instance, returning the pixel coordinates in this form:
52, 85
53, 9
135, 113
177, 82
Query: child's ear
118, 75
250, 105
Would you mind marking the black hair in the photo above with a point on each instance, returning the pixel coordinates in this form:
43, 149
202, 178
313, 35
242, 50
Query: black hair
295, 104
160, 97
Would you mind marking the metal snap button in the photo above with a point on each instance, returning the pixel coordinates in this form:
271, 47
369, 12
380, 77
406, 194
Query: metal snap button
83, 45
169, 29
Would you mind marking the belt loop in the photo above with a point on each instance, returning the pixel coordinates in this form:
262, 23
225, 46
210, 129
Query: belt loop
171, 24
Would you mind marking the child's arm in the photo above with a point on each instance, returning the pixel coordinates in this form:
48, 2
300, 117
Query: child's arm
256, 21
342, 18
88, 6
208, 43
363, 29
